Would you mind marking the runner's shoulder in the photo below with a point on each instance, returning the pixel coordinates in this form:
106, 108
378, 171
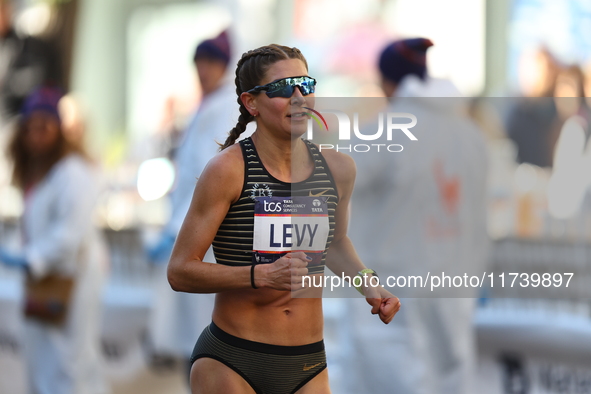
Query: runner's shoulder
226, 167
341, 166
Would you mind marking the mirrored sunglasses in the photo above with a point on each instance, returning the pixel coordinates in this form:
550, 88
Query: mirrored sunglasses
286, 86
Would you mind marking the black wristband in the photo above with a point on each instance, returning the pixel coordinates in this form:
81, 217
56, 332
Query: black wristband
252, 276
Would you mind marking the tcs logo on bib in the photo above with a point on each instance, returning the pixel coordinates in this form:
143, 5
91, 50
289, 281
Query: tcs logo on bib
270, 206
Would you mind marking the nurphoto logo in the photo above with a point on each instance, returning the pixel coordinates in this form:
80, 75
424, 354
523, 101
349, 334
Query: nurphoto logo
391, 122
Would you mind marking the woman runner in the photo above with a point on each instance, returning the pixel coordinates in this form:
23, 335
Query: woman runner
263, 339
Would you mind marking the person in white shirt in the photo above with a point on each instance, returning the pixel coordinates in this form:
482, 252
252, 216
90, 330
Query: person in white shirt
60, 186
178, 318
418, 211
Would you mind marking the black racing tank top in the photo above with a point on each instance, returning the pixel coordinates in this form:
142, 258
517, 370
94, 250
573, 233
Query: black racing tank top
233, 243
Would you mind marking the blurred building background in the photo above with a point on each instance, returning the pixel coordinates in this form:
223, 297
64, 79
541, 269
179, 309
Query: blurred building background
127, 66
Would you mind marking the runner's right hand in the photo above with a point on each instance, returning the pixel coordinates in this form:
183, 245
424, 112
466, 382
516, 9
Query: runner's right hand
285, 273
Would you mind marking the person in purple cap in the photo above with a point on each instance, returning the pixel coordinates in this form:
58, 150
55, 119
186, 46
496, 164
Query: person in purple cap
177, 316
433, 195
401, 59
199, 143
211, 60
60, 187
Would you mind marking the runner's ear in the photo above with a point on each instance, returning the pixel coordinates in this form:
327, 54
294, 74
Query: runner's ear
249, 102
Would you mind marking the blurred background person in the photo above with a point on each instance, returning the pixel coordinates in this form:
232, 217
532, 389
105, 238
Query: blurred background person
73, 117
178, 318
25, 63
532, 123
433, 196
569, 93
60, 187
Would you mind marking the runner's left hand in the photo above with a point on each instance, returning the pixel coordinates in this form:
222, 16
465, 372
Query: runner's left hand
383, 303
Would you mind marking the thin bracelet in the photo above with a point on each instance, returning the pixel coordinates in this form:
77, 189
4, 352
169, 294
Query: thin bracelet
252, 276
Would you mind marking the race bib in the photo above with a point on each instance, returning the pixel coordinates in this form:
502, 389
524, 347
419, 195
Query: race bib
289, 224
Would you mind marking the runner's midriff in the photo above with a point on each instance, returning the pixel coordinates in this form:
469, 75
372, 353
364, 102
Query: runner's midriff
269, 316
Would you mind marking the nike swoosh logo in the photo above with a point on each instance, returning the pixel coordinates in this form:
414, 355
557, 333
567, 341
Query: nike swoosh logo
319, 194
307, 368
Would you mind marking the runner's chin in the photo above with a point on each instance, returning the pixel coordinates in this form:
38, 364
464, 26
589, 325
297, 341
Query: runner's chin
299, 125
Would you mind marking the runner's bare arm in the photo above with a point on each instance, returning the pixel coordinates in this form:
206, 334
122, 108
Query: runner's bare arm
218, 187
342, 257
